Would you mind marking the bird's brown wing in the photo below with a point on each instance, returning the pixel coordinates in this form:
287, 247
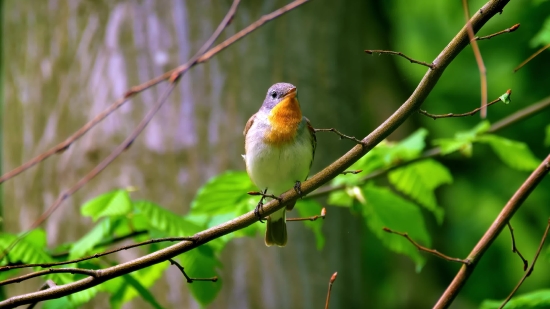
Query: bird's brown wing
249, 124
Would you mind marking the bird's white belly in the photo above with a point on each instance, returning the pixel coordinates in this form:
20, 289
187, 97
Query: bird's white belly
278, 168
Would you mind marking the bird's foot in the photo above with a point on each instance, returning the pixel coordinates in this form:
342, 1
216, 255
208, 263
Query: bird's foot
259, 207
298, 188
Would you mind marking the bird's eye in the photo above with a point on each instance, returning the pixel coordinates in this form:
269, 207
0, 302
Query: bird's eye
273, 94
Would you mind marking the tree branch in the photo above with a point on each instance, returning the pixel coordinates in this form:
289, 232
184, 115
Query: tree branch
508, 30
494, 230
389, 52
515, 249
411, 105
330, 283
189, 279
88, 272
470, 113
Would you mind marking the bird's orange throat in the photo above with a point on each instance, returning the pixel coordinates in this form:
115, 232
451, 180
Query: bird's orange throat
284, 119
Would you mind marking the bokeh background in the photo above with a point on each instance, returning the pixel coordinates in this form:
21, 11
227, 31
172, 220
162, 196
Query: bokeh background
65, 61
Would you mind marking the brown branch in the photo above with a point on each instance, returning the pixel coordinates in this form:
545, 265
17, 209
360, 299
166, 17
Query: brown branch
479, 60
330, 283
389, 52
48, 284
354, 172
189, 279
515, 249
520, 115
494, 230
431, 251
411, 105
527, 273
88, 272
313, 218
508, 30
531, 58
342, 136
470, 113
173, 79
98, 255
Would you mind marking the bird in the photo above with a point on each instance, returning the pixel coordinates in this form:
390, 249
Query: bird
279, 150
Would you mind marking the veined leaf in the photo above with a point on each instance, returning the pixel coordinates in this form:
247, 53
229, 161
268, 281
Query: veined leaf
223, 194
92, 238
514, 154
201, 262
141, 281
310, 208
537, 299
419, 180
114, 203
462, 141
382, 208
164, 220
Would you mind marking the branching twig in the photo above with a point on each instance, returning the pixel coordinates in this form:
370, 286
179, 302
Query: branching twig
528, 272
189, 279
432, 251
515, 249
354, 172
322, 215
479, 59
330, 283
531, 58
471, 113
389, 52
494, 230
487, 37
82, 271
342, 136
48, 284
97, 255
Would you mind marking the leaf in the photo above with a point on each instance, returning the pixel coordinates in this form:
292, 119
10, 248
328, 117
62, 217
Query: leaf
419, 180
79, 298
537, 299
62, 302
382, 208
542, 38
114, 203
92, 238
141, 280
506, 97
514, 154
165, 221
547, 139
340, 198
462, 141
310, 208
202, 263
223, 194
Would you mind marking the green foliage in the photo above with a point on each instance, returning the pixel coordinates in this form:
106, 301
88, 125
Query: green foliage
310, 208
542, 38
514, 154
462, 141
202, 263
136, 284
535, 300
419, 180
162, 220
506, 98
91, 239
113, 203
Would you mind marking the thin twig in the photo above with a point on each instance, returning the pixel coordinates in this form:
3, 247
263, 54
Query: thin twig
515, 249
330, 283
470, 113
520, 115
354, 172
342, 136
432, 251
48, 284
97, 255
531, 58
389, 52
479, 59
189, 279
508, 30
173, 79
494, 230
313, 218
88, 272
528, 272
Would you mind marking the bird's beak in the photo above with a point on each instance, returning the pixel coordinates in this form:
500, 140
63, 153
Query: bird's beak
291, 94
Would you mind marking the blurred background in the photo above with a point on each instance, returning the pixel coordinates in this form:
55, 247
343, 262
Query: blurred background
65, 61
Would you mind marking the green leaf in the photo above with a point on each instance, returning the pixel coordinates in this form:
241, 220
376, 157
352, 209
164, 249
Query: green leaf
506, 97
340, 198
310, 208
92, 238
223, 194
514, 154
114, 203
201, 263
382, 208
538, 299
165, 221
141, 280
547, 139
462, 141
79, 298
57, 303
419, 180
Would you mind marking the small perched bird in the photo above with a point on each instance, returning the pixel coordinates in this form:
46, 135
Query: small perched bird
279, 149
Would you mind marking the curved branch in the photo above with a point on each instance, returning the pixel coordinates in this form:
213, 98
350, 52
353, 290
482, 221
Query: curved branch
411, 105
